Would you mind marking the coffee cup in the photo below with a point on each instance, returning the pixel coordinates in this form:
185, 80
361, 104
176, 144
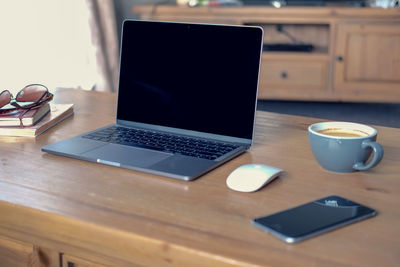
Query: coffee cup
344, 146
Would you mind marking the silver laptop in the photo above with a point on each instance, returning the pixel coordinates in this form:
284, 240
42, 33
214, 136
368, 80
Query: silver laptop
186, 100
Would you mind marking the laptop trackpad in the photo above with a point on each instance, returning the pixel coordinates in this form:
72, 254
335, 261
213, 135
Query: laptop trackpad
125, 155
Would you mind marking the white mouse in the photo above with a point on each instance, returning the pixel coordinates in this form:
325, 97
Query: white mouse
251, 177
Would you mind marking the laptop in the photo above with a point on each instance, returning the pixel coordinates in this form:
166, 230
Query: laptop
186, 100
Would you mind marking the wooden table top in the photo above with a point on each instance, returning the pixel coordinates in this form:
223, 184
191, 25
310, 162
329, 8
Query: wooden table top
128, 216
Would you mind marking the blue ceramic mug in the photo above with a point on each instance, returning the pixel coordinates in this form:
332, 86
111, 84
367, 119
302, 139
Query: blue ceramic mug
344, 146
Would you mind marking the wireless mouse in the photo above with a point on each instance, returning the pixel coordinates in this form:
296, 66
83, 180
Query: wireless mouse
251, 177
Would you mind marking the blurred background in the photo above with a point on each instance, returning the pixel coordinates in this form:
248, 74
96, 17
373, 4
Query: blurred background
58, 43
61, 43
75, 44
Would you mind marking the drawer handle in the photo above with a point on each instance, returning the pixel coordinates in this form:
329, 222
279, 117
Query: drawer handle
284, 75
339, 58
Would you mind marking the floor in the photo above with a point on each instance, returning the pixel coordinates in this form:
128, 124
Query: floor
381, 114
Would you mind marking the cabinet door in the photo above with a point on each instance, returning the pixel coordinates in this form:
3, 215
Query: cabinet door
368, 58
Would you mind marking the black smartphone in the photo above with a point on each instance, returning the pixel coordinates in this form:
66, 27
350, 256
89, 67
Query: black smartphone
310, 219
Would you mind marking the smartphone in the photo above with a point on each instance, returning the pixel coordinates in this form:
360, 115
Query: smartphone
310, 219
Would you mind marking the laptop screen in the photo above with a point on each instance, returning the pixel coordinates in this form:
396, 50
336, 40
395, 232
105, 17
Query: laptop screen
190, 76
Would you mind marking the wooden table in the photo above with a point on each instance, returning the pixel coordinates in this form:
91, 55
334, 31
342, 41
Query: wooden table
56, 210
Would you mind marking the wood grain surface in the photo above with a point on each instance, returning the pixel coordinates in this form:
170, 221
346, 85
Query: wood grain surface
118, 217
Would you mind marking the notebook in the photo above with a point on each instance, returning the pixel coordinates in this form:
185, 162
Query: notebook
186, 100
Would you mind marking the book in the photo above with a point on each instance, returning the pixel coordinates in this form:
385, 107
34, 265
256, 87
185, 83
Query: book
29, 117
58, 113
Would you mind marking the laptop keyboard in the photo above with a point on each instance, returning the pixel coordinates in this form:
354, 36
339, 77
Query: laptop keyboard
189, 146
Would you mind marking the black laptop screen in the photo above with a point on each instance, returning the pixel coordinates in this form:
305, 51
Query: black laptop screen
190, 76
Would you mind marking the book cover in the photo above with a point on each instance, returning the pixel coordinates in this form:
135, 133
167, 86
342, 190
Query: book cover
29, 117
58, 113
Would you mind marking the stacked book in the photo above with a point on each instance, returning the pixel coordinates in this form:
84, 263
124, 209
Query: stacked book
34, 121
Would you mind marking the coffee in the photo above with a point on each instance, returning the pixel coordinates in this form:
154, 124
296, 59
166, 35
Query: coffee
344, 146
342, 132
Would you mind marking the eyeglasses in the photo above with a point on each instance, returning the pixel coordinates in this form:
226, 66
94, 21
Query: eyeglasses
30, 96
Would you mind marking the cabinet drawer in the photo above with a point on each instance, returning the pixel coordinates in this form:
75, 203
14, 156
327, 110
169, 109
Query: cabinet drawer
291, 74
72, 261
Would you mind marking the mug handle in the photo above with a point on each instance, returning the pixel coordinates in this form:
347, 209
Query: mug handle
378, 155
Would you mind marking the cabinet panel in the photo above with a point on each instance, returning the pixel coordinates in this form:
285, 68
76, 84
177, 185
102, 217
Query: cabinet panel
16, 253
377, 60
368, 57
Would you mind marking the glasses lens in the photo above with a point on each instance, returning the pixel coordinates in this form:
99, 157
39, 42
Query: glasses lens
5, 98
31, 93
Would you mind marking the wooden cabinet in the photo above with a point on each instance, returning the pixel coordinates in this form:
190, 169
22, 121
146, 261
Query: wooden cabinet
355, 56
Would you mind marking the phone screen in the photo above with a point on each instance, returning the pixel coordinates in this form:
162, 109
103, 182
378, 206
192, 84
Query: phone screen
313, 218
